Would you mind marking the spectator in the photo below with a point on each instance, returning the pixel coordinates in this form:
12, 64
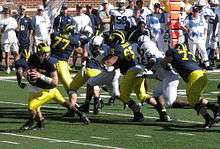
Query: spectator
41, 27
105, 19
9, 39
24, 29
62, 19
94, 18
107, 4
81, 20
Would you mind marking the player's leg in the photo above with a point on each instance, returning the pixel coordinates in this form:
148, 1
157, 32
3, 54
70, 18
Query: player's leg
7, 50
58, 98
195, 86
63, 70
126, 88
158, 104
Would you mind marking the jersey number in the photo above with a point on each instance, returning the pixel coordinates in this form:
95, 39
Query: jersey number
60, 40
121, 19
186, 53
129, 54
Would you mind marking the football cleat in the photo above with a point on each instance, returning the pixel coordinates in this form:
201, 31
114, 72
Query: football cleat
164, 117
208, 123
98, 104
82, 117
28, 125
138, 117
111, 100
39, 125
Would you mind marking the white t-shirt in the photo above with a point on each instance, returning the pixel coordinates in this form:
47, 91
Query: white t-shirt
41, 26
81, 21
9, 35
197, 27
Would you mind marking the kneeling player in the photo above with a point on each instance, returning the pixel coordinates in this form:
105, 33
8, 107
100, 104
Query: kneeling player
42, 74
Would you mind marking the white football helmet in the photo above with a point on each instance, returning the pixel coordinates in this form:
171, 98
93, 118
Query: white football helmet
87, 31
97, 41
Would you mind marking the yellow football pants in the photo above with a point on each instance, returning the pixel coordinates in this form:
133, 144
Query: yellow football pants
82, 76
130, 83
65, 77
36, 100
195, 86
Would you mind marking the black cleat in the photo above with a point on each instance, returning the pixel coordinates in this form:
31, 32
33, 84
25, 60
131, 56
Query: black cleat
111, 101
164, 117
138, 117
40, 125
208, 123
82, 117
28, 125
84, 108
98, 104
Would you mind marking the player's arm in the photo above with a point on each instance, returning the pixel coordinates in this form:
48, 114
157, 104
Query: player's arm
53, 80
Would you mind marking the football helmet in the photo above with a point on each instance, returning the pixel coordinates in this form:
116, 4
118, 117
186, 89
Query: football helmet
43, 47
116, 37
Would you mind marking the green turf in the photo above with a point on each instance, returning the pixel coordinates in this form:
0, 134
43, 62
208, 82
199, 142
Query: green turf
116, 129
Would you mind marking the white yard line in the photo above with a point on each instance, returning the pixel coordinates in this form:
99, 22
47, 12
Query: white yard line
99, 138
10, 142
106, 113
144, 136
61, 141
187, 134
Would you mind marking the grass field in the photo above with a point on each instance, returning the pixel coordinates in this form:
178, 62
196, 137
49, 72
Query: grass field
111, 129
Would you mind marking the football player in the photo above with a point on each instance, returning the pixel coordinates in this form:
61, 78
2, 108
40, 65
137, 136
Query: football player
122, 57
42, 74
119, 16
183, 61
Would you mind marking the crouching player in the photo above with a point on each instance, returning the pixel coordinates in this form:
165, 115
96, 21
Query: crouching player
185, 64
42, 75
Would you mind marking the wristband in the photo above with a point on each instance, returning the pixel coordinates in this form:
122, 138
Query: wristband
46, 79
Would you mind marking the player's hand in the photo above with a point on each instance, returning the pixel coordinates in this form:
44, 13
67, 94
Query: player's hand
35, 75
22, 85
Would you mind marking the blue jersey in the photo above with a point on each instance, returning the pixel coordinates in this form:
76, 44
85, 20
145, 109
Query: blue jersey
21, 63
25, 26
126, 57
60, 21
183, 61
61, 46
46, 67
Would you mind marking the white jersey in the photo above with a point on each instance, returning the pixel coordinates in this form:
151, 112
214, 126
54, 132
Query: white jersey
197, 27
42, 26
120, 18
9, 25
81, 21
103, 52
217, 12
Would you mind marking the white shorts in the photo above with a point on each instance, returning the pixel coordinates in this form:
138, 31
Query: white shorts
10, 47
110, 79
167, 88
